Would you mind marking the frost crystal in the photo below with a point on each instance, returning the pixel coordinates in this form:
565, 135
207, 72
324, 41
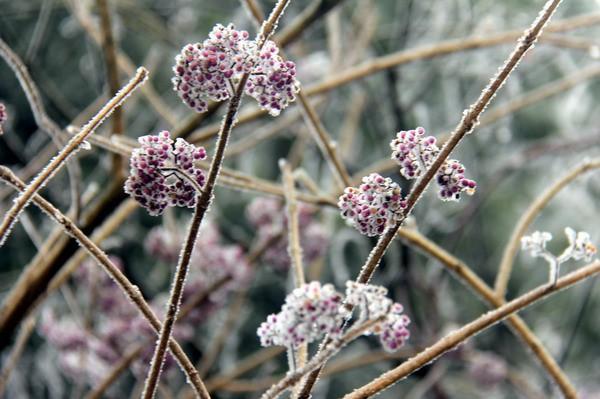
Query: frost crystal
373, 206
155, 187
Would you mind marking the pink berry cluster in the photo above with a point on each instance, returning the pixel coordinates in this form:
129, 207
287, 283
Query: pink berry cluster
268, 217
154, 187
415, 153
212, 69
2, 116
309, 313
452, 181
376, 204
273, 81
372, 303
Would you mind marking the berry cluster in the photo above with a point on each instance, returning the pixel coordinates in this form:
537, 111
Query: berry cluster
273, 81
156, 179
309, 313
2, 116
415, 153
580, 245
536, 243
372, 303
376, 204
212, 69
269, 218
452, 181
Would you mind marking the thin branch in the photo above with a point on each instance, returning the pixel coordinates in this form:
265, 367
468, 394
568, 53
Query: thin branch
294, 247
132, 291
466, 275
510, 251
112, 73
203, 202
43, 121
72, 146
122, 365
469, 330
468, 122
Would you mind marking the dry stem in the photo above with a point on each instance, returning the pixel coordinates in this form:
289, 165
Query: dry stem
132, 292
506, 263
469, 330
73, 145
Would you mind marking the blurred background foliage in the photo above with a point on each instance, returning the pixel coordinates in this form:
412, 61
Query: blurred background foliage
513, 159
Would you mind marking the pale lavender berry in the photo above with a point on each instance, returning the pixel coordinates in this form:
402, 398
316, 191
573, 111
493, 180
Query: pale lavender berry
273, 81
414, 152
452, 181
209, 70
309, 313
154, 187
393, 331
269, 218
3, 116
376, 204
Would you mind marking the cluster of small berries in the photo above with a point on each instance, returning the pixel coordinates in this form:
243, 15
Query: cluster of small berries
372, 303
580, 246
312, 311
160, 170
415, 153
211, 70
376, 204
269, 218
309, 312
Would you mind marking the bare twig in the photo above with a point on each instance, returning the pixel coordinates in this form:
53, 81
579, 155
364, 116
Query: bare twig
72, 146
122, 365
469, 330
468, 122
505, 268
132, 292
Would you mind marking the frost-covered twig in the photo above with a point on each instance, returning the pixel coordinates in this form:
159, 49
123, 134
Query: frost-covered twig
132, 291
485, 321
72, 146
467, 124
505, 267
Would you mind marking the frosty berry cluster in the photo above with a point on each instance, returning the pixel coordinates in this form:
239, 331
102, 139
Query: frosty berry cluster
160, 169
376, 204
211, 70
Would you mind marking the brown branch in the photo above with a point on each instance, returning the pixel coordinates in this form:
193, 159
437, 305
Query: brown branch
73, 145
132, 292
468, 122
456, 337
510, 251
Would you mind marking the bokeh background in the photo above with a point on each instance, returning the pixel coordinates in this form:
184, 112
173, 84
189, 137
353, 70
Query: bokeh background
514, 155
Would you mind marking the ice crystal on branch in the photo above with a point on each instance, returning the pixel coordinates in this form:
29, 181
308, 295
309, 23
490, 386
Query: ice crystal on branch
212, 69
309, 313
269, 218
580, 247
159, 174
376, 204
